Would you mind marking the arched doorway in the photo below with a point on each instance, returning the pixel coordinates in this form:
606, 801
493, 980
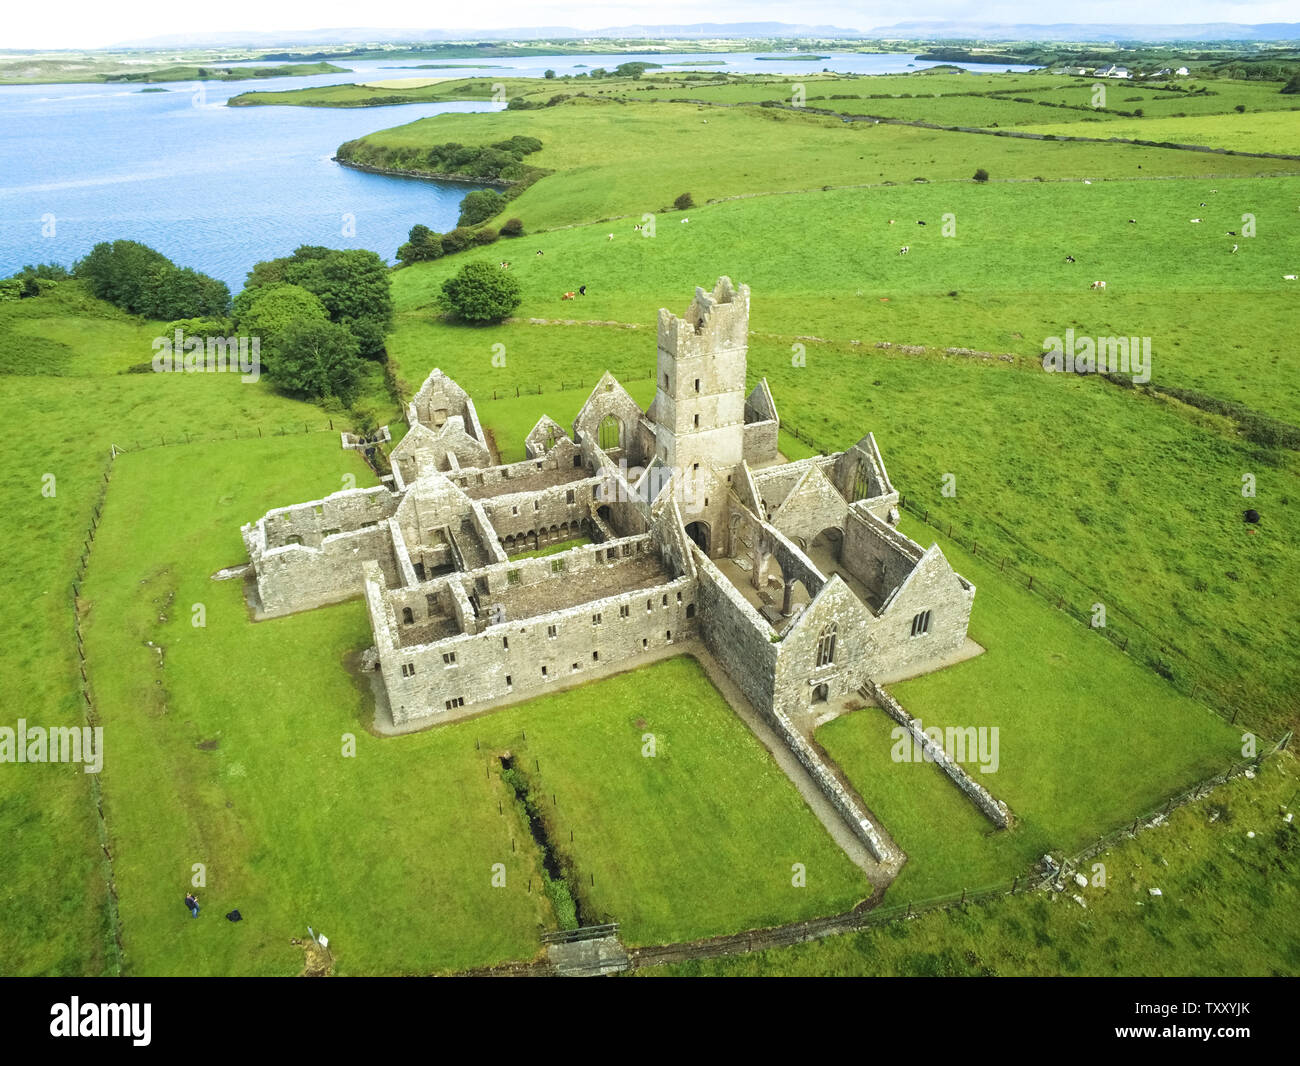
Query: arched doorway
821, 693
699, 533
828, 544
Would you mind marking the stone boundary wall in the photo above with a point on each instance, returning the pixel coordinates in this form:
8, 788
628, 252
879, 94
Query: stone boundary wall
829, 784
740, 640
993, 809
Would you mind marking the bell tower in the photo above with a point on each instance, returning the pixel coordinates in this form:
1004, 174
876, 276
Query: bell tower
699, 407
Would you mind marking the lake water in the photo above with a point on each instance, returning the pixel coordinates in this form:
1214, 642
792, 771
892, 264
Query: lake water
219, 188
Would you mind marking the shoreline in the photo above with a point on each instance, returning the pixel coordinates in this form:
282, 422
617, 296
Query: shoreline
394, 172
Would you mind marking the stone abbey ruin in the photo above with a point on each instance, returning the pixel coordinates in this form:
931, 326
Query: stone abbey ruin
689, 527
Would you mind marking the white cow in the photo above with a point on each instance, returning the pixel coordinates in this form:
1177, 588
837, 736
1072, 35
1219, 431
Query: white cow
1097, 285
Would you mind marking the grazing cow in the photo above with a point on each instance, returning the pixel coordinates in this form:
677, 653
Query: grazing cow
1132, 219
1086, 181
1202, 203
610, 237
1069, 259
582, 290
568, 296
891, 221
1097, 285
1289, 277
685, 220
1232, 233
919, 222
539, 251
905, 249
1234, 250
1193, 220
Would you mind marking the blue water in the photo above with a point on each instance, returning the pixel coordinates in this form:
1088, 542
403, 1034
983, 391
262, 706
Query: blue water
220, 188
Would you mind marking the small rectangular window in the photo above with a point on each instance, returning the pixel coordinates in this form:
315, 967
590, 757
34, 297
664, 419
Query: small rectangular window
557, 565
508, 684
697, 384
595, 656
505, 643
449, 658
512, 577
597, 618
568, 496
624, 611
921, 624
543, 671
550, 631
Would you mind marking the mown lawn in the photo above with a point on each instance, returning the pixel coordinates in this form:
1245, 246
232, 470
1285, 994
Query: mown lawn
699, 838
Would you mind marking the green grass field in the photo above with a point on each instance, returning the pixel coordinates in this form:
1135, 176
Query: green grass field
1198, 927
1110, 495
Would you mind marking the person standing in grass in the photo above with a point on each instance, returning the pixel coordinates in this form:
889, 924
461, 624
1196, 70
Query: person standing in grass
192, 901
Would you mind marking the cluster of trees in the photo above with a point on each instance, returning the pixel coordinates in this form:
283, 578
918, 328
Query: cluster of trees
32, 280
499, 161
423, 244
318, 314
145, 282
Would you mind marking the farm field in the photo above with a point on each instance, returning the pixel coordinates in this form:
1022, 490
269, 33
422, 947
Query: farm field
1275, 131
605, 163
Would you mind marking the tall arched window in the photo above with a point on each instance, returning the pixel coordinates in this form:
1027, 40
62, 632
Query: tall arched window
826, 646
862, 481
611, 433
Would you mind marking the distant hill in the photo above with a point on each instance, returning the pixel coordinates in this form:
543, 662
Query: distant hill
1100, 32
984, 31
363, 35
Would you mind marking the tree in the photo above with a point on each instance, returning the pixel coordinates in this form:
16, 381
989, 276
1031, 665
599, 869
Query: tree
549, 74
316, 359
981, 175
457, 240
116, 271
143, 281
353, 285
1240, 109
421, 246
512, 227
481, 292
684, 202
268, 312
479, 206
1293, 86
179, 292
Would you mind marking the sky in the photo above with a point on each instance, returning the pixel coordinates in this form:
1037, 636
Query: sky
96, 24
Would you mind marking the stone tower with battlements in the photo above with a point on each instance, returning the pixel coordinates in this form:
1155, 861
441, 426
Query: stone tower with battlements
699, 408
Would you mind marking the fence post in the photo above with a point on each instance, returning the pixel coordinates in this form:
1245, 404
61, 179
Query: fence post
1031, 581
